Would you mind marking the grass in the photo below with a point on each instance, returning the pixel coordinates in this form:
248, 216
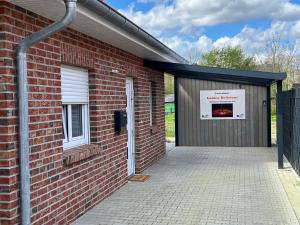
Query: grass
170, 125
273, 118
290, 182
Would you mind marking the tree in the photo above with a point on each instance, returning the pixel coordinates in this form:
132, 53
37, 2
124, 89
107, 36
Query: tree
282, 56
169, 84
193, 56
228, 57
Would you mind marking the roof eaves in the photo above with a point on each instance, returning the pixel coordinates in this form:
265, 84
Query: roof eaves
116, 18
215, 70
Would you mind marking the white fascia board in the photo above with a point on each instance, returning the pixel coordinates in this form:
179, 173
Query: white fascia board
93, 25
92, 16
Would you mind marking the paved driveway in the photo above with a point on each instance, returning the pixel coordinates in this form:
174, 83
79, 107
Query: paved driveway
234, 186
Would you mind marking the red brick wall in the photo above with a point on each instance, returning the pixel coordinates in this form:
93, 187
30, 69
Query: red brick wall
64, 186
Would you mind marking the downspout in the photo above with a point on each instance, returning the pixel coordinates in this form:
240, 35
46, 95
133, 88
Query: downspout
25, 44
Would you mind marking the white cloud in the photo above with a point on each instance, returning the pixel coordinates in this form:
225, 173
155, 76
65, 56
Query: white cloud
295, 31
188, 48
145, 1
185, 15
180, 23
153, 1
253, 41
288, 11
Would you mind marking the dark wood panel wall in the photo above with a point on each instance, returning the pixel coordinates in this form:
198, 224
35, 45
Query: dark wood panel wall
191, 131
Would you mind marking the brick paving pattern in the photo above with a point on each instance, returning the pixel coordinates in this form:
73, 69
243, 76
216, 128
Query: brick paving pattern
201, 185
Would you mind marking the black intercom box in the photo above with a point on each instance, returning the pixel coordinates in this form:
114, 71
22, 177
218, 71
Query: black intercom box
120, 121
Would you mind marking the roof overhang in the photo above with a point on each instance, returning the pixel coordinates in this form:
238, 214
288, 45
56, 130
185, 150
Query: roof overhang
258, 78
96, 19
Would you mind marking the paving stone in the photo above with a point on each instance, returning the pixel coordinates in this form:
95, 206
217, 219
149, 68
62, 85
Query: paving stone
201, 185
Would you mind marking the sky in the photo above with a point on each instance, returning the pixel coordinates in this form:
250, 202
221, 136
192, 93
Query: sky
192, 27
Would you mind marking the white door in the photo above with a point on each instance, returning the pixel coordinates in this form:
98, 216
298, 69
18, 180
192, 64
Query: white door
130, 126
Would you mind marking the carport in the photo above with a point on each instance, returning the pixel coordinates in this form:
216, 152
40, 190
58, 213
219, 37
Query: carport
197, 126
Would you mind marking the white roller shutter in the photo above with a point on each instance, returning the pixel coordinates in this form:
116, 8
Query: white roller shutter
74, 85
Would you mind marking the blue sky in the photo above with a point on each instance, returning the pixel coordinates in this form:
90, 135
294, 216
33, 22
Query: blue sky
195, 26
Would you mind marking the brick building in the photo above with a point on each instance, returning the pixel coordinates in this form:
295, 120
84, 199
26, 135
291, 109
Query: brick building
77, 79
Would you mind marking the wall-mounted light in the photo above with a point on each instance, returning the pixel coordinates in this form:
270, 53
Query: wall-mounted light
265, 103
115, 71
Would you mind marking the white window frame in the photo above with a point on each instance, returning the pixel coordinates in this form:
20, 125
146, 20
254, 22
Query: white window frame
69, 141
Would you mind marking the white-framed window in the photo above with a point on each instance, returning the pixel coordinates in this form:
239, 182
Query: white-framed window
75, 106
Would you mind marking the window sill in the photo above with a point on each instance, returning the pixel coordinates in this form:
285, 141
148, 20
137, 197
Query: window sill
154, 129
80, 153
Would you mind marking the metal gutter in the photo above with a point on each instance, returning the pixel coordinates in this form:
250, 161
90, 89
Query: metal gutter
113, 16
25, 44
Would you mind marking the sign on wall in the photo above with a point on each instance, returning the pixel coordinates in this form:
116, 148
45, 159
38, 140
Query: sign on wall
222, 104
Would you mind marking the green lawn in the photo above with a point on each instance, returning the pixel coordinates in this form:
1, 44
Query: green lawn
170, 125
273, 118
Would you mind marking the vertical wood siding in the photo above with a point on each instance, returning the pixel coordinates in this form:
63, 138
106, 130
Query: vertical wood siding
195, 132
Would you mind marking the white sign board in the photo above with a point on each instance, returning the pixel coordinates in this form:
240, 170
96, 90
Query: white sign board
222, 104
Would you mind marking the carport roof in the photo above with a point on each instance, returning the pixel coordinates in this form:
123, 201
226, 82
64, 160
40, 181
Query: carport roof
259, 78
